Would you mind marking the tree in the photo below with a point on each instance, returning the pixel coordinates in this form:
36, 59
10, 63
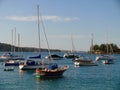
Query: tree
112, 48
96, 47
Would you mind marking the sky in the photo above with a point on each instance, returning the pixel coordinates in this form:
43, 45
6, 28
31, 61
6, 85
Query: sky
62, 20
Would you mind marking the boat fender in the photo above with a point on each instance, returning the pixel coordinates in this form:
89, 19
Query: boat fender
46, 69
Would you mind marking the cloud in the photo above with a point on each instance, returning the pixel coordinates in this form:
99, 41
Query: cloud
46, 18
21, 18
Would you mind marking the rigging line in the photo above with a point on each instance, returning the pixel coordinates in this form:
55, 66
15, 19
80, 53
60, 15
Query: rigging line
45, 36
111, 49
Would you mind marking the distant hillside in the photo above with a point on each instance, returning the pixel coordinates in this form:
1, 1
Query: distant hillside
7, 48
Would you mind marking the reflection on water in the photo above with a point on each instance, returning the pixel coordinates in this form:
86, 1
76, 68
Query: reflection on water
49, 83
23, 72
38, 79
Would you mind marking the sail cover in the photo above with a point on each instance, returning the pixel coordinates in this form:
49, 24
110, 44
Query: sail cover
36, 57
52, 66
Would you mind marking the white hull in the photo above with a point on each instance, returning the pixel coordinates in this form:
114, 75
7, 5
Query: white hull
4, 59
85, 64
108, 62
104, 57
7, 56
27, 67
84, 61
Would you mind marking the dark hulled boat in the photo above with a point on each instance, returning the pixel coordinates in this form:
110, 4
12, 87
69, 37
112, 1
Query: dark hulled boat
52, 71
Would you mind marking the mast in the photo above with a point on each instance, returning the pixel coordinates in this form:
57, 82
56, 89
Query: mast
38, 28
15, 41
91, 49
19, 45
107, 46
73, 46
44, 33
12, 42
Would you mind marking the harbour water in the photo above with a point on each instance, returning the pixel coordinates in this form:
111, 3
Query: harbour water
101, 77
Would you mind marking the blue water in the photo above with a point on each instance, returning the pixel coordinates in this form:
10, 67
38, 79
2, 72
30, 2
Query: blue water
101, 77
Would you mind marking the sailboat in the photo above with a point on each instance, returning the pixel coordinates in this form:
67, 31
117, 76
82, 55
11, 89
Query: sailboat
6, 56
107, 58
17, 58
104, 57
54, 57
53, 70
83, 60
71, 54
33, 62
9, 55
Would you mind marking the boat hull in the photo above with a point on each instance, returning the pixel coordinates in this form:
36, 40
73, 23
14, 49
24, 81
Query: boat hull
80, 62
51, 73
108, 61
28, 67
11, 64
54, 57
85, 64
104, 57
70, 55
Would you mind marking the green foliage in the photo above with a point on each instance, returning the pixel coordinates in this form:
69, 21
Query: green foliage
103, 48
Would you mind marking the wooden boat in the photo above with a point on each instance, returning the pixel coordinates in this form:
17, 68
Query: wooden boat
53, 71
